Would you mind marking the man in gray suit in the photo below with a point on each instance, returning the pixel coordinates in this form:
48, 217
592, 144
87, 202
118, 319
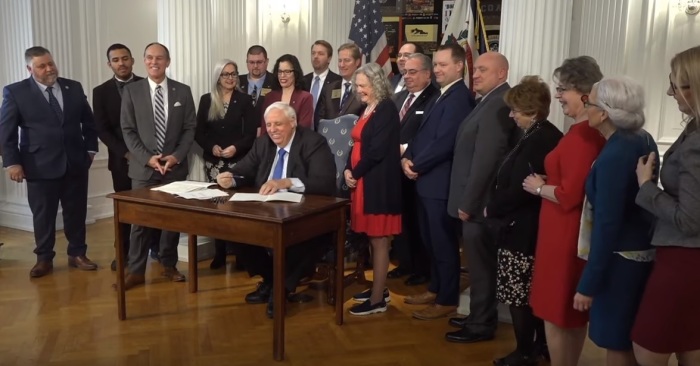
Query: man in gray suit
158, 123
483, 138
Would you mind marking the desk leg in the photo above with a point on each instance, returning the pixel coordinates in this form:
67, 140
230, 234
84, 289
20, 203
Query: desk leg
192, 261
121, 296
280, 301
340, 269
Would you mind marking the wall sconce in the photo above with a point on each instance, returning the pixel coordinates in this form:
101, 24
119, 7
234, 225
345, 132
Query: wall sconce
691, 7
284, 9
285, 17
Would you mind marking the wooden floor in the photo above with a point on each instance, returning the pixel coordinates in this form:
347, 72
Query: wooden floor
70, 318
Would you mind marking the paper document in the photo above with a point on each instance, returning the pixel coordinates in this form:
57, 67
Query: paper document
279, 196
203, 194
183, 186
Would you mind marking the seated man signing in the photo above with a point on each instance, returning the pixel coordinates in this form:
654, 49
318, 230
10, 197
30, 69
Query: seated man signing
287, 158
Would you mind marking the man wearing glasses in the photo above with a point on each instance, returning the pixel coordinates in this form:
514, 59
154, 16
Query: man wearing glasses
258, 81
397, 81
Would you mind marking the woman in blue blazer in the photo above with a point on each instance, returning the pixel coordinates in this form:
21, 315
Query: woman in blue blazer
621, 255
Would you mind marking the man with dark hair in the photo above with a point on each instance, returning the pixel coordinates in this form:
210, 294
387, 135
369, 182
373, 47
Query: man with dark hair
158, 124
321, 54
258, 81
337, 98
408, 48
106, 103
53, 152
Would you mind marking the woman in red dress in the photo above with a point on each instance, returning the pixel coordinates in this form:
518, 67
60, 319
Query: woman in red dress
373, 173
557, 266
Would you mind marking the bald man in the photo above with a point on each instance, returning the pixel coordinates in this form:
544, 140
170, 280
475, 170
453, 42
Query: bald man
483, 139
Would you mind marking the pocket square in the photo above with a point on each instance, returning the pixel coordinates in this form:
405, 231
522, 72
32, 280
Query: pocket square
419, 112
177, 104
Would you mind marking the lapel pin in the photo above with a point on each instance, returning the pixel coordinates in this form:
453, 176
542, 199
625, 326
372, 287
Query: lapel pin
66, 87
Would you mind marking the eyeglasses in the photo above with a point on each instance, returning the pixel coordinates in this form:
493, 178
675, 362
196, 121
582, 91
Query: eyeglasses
587, 104
561, 89
285, 72
410, 72
259, 62
405, 54
675, 87
228, 75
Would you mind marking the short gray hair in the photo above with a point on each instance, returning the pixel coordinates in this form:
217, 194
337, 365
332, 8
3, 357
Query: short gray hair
623, 99
284, 107
425, 61
377, 78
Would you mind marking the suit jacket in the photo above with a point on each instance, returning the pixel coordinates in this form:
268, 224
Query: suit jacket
138, 127
414, 116
483, 139
107, 104
271, 83
238, 127
432, 147
395, 81
46, 146
380, 161
510, 203
310, 160
328, 105
302, 102
309, 80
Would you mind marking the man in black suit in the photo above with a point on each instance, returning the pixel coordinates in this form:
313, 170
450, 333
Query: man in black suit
106, 103
53, 151
258, 81
337, 98
321, 54
412, 104
397, 81
287, 158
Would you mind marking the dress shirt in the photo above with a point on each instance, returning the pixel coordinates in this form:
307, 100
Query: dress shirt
56, 92
253, 83
164, 84
400, 85
322, 79
297, 185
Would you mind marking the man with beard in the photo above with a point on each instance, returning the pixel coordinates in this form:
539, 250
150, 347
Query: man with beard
321, 54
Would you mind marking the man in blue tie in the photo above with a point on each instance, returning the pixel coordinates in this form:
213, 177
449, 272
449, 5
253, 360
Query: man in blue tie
321, 55
287, 158
337, 98
53, 152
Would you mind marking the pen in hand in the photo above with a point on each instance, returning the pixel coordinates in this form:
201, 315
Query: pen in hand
532, 170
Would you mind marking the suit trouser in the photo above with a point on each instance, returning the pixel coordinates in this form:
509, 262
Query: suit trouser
43, 196
482, 260
121, 182
142, 237
439, 233
408, 246
301, 259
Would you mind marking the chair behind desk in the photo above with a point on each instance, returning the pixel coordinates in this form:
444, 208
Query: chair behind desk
337, 133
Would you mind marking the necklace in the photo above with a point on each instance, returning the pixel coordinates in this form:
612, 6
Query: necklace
369, 109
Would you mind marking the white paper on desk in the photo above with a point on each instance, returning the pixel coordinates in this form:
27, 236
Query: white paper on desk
183, 187
202, 194
279, 196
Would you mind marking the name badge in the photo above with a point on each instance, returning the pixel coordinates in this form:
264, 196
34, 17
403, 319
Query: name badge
419, 112
335, 94
264, 91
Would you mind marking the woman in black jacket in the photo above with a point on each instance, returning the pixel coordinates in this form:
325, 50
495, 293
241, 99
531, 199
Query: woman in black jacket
513, 214
226, 129
373, 173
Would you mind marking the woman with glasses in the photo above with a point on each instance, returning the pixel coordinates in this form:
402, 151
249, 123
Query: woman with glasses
513, 214
668, 320
620, 254
226, 128
557, 267
291, 79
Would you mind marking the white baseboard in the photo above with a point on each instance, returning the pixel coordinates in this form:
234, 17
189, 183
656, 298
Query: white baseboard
205, 249
503, 312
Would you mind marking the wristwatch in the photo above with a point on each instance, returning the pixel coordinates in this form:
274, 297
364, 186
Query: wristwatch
539, 190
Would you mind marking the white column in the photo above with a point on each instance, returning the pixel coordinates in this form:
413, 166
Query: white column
535, 37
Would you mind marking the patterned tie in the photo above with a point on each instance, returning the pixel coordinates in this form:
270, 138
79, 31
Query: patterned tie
279, 167
254, 95
53, 102
314, 89
120, 86
159, 114
406, 106
346, 95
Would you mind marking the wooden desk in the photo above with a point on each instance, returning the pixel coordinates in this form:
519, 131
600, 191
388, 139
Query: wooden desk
273, 225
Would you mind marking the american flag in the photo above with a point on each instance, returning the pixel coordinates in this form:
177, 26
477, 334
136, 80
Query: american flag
367, 31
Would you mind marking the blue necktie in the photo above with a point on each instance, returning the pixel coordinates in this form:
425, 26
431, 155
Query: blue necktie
346, 95
314, 89
279, 167
254, 94
53, 102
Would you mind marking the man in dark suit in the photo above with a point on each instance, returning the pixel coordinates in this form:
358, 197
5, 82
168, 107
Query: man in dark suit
258, 81
412, 104
321, 54
158, 123
337, 98
428, 160
106, 103
291, 158
53, 151
397, 81
483, 139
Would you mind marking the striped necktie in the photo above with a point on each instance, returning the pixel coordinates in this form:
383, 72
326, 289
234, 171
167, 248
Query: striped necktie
159, 114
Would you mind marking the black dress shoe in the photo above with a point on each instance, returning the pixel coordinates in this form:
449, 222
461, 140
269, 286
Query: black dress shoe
397, 272
465, 335
270, 309
458, 322
261, 294
415, 280
113, 266
515, 358
218, 261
